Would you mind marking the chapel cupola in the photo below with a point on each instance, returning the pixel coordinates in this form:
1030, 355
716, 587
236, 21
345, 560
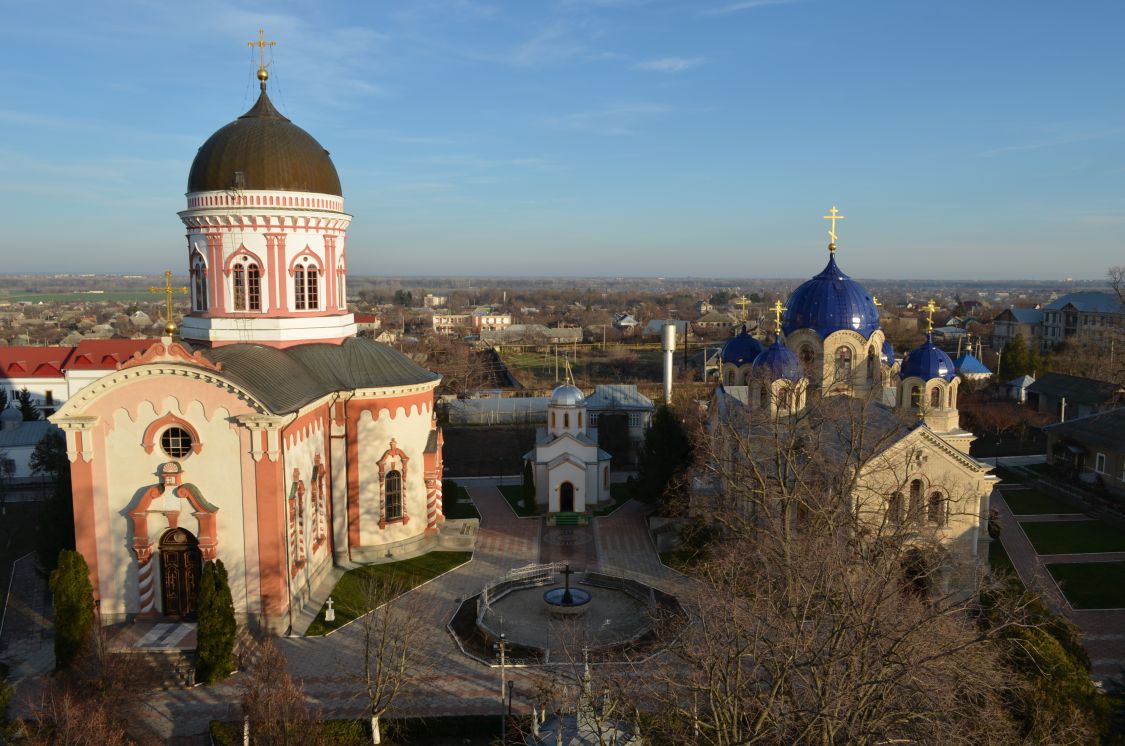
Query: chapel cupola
928, 383
267, 234
566, 411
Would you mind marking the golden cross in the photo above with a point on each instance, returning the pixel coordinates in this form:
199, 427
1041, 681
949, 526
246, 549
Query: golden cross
168, 291
261, 44
930, 308
742, 302
777, 309
833, 215
875, 302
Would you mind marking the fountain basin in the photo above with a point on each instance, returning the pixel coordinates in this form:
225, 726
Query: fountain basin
566, 601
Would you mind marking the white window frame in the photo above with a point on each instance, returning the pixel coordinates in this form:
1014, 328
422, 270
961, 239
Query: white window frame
1099, 463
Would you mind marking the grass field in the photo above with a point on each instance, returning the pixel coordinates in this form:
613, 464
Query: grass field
457, 504
1074, 537
1034, 502
513, 493
612, 365
110, 295
350, 598
1093, 585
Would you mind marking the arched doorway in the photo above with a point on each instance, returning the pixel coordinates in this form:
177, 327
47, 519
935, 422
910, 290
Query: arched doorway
180, 567
566, 497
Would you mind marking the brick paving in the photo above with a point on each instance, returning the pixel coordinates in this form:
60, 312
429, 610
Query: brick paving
1103, 631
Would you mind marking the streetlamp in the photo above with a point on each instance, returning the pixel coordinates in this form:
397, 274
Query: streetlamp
502, 646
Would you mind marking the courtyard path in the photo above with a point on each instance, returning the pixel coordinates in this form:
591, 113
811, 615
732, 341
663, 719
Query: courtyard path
1103, 631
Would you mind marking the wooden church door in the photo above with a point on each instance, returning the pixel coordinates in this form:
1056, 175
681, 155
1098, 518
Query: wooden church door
180, 567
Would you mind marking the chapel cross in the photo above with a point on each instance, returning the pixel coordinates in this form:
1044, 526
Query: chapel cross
777, 309
168, 291
930, 308
742, 302
833, 215
875, 302
261, 44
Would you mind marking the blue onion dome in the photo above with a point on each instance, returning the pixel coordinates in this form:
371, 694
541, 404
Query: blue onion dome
927, 362
778, 361
567, 395
888, 353
741, 349
829, 302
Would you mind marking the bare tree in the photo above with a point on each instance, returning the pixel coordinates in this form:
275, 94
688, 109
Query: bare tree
389, 644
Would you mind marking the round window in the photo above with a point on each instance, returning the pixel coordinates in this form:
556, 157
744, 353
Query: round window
176, 442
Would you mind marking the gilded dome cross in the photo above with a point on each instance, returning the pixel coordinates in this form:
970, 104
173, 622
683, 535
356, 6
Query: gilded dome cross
742, 302
168, 291
261, 44
833, 215
930, 308
777, 309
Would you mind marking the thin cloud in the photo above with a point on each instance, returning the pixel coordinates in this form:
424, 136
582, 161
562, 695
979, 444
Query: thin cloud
744, 5
612, 121
669, 64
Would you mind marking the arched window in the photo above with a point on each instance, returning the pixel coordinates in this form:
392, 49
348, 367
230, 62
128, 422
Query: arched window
198, 284
247, 286
894, 509
763, 397
579, 420
807, 357
843, 362
914, 509
872, 367
915, 397
392, 494
784, 396
306, 285
566, 420
552, 419
935, 509
935, 398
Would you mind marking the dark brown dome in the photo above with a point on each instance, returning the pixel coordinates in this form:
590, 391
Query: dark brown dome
271, 153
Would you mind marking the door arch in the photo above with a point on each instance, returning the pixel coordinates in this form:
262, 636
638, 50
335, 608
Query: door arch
566, 497
181, 565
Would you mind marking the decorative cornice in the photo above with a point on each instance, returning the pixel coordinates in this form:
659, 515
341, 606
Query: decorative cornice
168, 351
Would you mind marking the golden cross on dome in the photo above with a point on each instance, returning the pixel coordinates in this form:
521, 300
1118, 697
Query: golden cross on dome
833, 215
777, 309
875, 301
930, 308
168, 291
742, 302
261, 44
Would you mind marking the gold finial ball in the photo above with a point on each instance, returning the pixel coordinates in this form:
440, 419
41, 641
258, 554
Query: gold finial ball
169, 329
262, 74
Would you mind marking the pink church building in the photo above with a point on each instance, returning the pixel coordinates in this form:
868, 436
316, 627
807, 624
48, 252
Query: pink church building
269, 435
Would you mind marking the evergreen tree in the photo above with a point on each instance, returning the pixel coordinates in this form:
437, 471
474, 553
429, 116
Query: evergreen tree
666, 454
528, 486
3, 399
217, 629
1014, 359
73, 604
27, 406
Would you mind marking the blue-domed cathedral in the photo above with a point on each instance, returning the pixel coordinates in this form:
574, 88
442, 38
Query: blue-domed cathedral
829, 362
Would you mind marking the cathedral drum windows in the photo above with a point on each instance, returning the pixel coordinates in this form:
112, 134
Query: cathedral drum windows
935, 398
246, 285
306, 285
198, 284
843, 362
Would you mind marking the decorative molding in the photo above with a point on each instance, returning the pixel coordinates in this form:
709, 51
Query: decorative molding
148, 440
171, 352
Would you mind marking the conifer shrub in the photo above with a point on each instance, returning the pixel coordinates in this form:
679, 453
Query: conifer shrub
217, 629
73, 605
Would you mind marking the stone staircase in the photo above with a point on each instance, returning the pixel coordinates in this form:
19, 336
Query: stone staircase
160, 669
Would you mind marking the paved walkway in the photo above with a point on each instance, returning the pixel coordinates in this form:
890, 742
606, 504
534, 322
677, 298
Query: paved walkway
27, 638
1103, 631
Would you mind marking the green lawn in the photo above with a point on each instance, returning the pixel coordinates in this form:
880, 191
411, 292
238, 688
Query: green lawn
1074, 537
456, 503
111, 295
620, 493
1092, 585
998, 559
349, 595
1034, 502
513, 493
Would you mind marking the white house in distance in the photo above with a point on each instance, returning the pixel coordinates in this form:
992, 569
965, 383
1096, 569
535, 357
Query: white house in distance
571, 472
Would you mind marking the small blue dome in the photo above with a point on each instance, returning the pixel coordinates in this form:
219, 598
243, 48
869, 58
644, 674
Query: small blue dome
829, 302
567, 395
779, 362
741, 349
888, 353
927, 362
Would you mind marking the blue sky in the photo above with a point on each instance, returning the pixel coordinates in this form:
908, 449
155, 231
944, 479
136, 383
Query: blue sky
590, 137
